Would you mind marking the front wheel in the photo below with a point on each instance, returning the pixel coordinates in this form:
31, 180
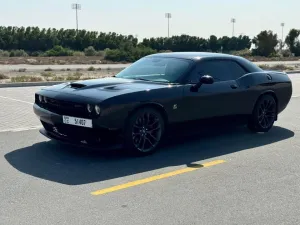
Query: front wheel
144, 131
264, 114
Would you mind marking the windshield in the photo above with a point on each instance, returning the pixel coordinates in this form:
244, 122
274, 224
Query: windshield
157, 69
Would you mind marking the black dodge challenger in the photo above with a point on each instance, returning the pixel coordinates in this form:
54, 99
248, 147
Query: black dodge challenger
136, 107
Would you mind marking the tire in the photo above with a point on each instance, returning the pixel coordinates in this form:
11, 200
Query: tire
264, 114
142, 137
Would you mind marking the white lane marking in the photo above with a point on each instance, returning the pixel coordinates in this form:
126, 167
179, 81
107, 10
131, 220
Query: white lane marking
296, 96
16, 100
21, 129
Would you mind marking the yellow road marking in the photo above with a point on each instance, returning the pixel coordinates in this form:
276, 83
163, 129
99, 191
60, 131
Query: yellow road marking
157, 177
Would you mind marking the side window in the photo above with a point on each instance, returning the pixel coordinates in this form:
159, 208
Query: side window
236, 70
220, 70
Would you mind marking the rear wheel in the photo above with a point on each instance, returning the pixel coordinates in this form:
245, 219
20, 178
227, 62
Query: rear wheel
264, 114
144, 131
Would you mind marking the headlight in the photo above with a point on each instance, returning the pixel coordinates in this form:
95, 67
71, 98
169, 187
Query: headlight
89, 108
40, 98
97, 109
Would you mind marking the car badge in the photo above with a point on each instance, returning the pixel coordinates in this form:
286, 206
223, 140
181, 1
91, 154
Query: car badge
175, 106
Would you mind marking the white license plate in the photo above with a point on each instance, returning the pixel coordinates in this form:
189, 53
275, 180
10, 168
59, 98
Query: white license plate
81, 122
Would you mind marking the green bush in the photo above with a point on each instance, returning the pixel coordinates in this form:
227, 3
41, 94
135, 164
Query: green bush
129, 55
37, 54
91, 68
100, 53
59, 51
77, 53
4, 53
90, 51
18, 53
3, 77
242, 53
286, 53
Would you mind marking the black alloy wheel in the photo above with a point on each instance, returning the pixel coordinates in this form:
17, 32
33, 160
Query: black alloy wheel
264, 114
144, 131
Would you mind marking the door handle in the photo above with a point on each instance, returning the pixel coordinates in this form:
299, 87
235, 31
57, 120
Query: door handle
233, 86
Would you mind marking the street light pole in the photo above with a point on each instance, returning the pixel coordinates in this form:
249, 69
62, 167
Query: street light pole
76, 7
168, 16
233, 21
282, 25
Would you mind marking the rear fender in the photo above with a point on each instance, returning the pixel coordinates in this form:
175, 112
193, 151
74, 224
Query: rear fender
273, 82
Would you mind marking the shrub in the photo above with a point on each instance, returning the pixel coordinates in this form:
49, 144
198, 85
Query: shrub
59, 51
37, 54
286, 53
4, 53
242, 53
100, 53
22, 70
77, 53
90, 51
18, 53
75, 76
3, 77
91, 68
129, 55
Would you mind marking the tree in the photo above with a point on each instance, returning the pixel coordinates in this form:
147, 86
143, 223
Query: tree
292, 41
265, 43
213, 44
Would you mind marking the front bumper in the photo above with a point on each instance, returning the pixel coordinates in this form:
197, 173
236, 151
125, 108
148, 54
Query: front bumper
96, 138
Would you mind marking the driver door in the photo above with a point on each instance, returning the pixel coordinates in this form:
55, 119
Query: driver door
220, 99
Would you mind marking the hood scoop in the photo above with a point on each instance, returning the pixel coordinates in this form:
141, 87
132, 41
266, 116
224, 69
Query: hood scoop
76, 85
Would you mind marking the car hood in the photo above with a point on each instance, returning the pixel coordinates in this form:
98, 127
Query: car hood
103, 88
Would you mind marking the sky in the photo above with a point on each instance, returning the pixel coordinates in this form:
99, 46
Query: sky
147, 18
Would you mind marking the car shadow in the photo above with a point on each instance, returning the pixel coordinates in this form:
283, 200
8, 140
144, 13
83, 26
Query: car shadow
74, 166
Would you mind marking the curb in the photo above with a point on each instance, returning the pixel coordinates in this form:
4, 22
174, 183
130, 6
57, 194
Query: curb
50, 83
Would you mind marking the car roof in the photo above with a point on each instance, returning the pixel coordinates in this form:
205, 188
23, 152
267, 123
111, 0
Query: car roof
192, 55
197, 56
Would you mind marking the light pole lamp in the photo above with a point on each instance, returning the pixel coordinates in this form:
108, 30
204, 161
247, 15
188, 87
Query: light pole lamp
233, 20
77, 7
168, 16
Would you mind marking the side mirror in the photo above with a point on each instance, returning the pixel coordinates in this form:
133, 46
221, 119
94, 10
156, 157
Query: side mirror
206, 79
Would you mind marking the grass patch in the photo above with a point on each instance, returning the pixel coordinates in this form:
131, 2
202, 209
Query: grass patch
75, 76
91, 68
47, 74
26, 79
3, 77
280, 67
57, 78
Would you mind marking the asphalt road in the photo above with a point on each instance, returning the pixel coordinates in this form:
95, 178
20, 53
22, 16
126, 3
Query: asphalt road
7, 68
245, 179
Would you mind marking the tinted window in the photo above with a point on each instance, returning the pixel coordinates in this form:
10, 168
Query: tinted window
220, 70
235, 70
158, 69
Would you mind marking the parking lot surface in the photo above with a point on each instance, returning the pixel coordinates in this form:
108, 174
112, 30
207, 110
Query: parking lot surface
233, 177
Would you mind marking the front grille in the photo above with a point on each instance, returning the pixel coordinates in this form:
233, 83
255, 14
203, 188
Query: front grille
64, 108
